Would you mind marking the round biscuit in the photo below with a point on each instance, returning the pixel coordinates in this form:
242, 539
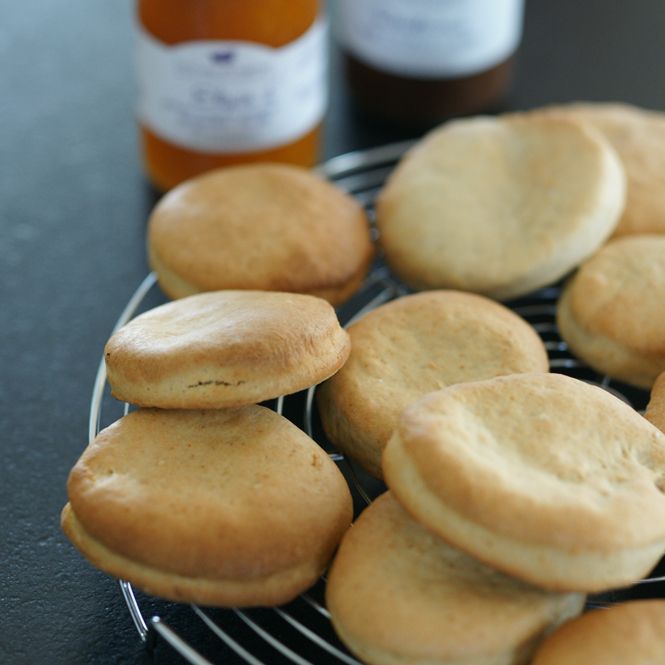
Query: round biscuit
224, 349
612, 311
630, 633
412, 346
229, 507
397, 595
542, 476
268, 227
499, 206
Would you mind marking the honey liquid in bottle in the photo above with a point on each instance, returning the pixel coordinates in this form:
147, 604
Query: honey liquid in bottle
224, 82
414, 63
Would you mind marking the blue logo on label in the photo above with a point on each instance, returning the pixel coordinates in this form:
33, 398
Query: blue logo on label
222, 57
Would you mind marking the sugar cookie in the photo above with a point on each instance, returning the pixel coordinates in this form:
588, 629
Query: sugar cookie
397, 594
499, 206
542, 476
612, 312
225, 348
229, 507
268, 227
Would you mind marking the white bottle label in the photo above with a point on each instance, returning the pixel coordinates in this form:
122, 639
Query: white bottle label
430, 38
232, 96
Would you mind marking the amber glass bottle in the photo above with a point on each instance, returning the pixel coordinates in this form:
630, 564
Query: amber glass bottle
228, 81
416, 62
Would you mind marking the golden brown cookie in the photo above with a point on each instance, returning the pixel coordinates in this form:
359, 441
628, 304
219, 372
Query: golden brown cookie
411, 346
632, 633
542, 476
655, 411
228, 507
268, 227
397, 595
225, 348
638, 136
612, 312
500, 206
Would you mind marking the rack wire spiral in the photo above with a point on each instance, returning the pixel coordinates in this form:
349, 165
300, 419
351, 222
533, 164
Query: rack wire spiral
301, 632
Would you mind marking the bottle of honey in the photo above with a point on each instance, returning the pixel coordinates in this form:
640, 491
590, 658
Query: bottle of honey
416, 62
228, 81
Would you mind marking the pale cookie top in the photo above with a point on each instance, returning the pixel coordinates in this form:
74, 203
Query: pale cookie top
396, 588
500, 206
619, 293
542, 459
268, 226
225, 348
638, 136
233, 493
630, 633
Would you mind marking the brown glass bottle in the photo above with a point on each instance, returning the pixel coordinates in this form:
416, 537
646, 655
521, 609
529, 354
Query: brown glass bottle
170, 155
417, 62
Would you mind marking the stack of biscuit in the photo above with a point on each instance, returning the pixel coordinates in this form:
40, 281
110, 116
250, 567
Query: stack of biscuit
202, 495
511, 496
503, 206
511, 493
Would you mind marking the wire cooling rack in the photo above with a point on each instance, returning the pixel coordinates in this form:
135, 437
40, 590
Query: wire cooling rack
301, 632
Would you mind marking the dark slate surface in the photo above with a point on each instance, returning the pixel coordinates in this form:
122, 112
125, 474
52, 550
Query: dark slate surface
73, 205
